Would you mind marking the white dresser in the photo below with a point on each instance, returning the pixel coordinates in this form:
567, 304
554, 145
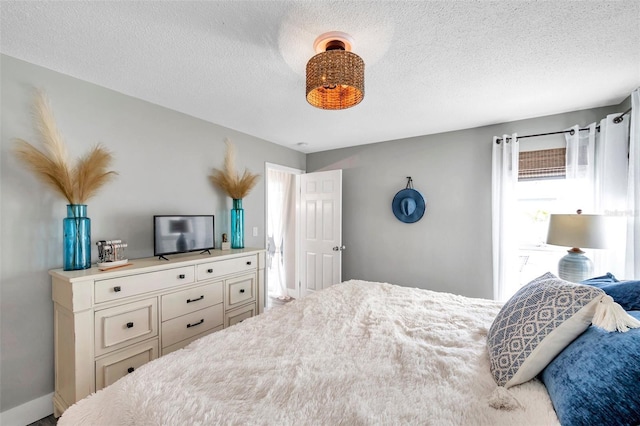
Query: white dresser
108, 323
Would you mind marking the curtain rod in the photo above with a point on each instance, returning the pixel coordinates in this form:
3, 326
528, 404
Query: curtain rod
619, 118
616, 120
545, 134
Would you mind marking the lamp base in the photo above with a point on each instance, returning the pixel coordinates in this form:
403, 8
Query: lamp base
575, 266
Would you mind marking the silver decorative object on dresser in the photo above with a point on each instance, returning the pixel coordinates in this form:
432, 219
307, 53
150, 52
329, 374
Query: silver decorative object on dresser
111, 254
108, 323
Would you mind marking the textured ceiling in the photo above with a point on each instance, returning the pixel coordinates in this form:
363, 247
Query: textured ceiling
431, 66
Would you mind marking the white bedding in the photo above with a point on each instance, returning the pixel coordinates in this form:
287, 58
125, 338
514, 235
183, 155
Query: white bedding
357, 353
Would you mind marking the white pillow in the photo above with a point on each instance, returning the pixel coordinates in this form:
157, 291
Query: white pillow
536, 324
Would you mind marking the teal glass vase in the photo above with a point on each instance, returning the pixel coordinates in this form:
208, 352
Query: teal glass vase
76, 250
237, 224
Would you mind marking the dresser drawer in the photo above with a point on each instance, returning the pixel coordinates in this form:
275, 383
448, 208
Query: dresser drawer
226, 267
189, 325
238, 315
112, 367
191, 300
181, 344
118, 288
240, 290
125, 324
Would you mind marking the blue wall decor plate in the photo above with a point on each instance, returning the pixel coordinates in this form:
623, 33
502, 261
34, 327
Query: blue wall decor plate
408, 205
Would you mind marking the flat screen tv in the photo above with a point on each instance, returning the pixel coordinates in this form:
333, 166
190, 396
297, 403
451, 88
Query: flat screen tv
182, 234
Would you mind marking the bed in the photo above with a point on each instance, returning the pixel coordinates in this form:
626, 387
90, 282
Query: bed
356, 353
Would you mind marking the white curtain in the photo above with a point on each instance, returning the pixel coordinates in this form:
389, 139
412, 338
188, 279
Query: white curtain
580, 169
632, 264
504, 177
597, 170
279, 200
612, 170
582, 181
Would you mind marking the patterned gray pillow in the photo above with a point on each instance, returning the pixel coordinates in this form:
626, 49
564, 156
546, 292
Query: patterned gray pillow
536, 324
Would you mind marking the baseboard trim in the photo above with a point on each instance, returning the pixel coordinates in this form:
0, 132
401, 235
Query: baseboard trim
28, 412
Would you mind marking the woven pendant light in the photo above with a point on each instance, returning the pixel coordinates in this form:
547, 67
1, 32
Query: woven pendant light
335, 76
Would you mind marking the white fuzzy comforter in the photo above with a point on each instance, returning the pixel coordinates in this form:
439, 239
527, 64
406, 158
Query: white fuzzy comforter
357, 353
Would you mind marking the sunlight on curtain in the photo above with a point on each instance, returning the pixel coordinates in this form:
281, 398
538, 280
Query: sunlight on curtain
580, 170
279, 200
597, 176
504, 178
612, 165
632, 264
582, 179
612, 168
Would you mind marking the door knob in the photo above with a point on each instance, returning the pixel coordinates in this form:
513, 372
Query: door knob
336, 248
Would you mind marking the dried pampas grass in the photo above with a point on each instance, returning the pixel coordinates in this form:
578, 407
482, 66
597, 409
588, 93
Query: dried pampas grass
230, 181
76, 183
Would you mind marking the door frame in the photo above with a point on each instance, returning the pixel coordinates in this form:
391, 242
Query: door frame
295, 293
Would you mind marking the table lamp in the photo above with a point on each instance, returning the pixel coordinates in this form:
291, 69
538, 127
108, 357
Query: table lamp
576, 230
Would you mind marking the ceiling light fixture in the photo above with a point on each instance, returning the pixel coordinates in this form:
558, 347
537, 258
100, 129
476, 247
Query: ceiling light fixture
335, 76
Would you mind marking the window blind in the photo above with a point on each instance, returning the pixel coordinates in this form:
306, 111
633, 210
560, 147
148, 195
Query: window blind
542, 164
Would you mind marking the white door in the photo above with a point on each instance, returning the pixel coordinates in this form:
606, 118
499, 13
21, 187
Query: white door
320, 230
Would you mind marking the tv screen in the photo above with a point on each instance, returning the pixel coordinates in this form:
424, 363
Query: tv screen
182, 234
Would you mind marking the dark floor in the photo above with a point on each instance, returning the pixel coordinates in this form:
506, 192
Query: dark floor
47, 421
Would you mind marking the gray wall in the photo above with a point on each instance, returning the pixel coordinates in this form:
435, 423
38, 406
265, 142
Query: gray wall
163, 159
449, 249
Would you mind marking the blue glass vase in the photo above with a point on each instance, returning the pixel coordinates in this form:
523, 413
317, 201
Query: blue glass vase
237, 224
76, 250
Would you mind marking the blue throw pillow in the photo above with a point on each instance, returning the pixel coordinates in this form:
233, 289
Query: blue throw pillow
606, 279
596, 379
625, 293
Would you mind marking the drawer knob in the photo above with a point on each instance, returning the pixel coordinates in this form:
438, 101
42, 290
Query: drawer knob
249, 263
195, 323
210, 271
117, 288
181, 276
242, 290
130, 370
195, 300
129, 325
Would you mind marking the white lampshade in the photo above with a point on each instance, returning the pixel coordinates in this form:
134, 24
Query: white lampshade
577, 230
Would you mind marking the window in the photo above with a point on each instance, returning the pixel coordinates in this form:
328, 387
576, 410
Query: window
542, 188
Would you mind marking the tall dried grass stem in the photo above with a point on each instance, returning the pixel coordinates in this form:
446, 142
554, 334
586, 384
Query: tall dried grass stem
229, 180
52, 166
